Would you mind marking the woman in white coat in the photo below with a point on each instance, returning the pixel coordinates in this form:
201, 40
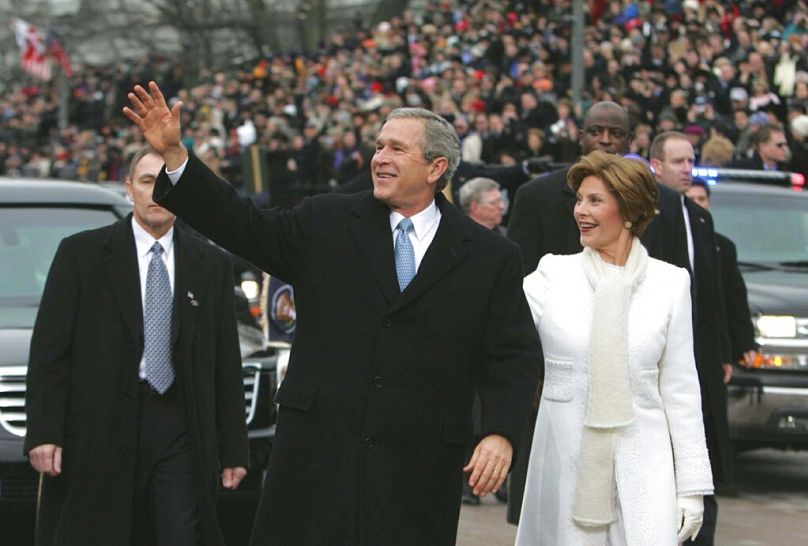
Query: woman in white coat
619, 455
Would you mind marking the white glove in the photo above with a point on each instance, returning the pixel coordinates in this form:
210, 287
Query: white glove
689, 516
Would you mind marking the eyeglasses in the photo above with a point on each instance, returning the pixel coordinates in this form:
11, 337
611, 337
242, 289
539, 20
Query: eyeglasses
496, 202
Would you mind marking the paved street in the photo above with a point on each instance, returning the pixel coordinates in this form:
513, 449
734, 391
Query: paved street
771, 508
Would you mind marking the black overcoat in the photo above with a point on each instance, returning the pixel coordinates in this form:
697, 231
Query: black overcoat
83, 380
711, 337
375, 409
736, 302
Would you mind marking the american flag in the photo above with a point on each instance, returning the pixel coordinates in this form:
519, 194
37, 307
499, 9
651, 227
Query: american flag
33, 50
57, 50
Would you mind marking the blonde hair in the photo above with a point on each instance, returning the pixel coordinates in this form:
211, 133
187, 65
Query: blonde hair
629, 180
717, 151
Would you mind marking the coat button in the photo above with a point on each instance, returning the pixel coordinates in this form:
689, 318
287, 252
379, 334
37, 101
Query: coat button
369, 442
387, 323
377, 382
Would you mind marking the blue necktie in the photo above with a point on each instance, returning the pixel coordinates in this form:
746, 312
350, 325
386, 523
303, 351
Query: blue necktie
405, 255
157, 324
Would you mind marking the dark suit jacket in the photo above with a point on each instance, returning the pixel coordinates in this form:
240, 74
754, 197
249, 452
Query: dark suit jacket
711, 339
83, 380
739, 322
754, 163
375, 410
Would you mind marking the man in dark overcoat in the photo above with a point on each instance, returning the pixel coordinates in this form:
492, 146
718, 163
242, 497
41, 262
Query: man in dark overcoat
126, 458
404, 308
673, 157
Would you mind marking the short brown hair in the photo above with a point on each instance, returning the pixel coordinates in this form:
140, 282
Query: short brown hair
657, 150
629, 180
138, 154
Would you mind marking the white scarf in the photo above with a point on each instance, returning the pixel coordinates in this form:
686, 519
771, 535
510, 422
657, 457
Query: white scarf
609, 406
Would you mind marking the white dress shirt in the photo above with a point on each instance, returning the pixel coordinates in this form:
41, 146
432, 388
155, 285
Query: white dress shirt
689, 231
424, 224
144, 241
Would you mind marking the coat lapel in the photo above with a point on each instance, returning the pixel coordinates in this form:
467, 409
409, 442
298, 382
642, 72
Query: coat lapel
122, 269
371, 230
189, 286
445, 253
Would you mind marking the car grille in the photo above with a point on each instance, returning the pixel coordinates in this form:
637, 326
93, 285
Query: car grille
12, 399
12, 396
252, 380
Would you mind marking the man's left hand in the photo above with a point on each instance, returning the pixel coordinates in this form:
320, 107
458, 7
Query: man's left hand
489, 465
231, 477
727, 373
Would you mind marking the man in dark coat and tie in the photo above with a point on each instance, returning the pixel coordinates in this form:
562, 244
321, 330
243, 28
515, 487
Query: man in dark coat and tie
135, 396
672, 157
739, 321
405, 307
542, 223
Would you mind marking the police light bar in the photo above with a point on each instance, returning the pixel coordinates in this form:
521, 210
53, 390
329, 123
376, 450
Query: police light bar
714, 175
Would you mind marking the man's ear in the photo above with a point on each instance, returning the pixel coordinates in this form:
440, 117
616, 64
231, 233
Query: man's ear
436, 169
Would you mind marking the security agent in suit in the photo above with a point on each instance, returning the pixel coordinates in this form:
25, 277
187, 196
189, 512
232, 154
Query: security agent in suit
772, 152
542, 223
132, 421
739, 322
375, 409
672, 158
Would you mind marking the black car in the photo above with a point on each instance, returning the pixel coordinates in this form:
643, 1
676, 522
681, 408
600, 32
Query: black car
768, 404
35, 215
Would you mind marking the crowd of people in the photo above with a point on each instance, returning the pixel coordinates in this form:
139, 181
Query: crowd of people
498, 70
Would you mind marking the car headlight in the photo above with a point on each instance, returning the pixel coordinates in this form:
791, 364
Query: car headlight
782, 326
776, 326
783, 342
251, 288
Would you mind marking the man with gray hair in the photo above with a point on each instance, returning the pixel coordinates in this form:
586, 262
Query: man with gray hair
482, 201
404, 310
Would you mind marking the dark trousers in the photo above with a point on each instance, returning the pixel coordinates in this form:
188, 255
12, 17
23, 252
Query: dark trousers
166, 511
707, 534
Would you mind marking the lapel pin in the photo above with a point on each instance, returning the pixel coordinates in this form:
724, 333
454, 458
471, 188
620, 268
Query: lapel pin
191, 299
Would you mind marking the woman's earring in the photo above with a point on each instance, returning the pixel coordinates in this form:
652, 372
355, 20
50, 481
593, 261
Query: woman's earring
627, 224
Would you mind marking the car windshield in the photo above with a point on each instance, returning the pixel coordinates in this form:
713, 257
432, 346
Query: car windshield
29, 237
766, 228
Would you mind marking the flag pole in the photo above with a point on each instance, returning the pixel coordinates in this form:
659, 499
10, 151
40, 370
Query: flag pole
64, 97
